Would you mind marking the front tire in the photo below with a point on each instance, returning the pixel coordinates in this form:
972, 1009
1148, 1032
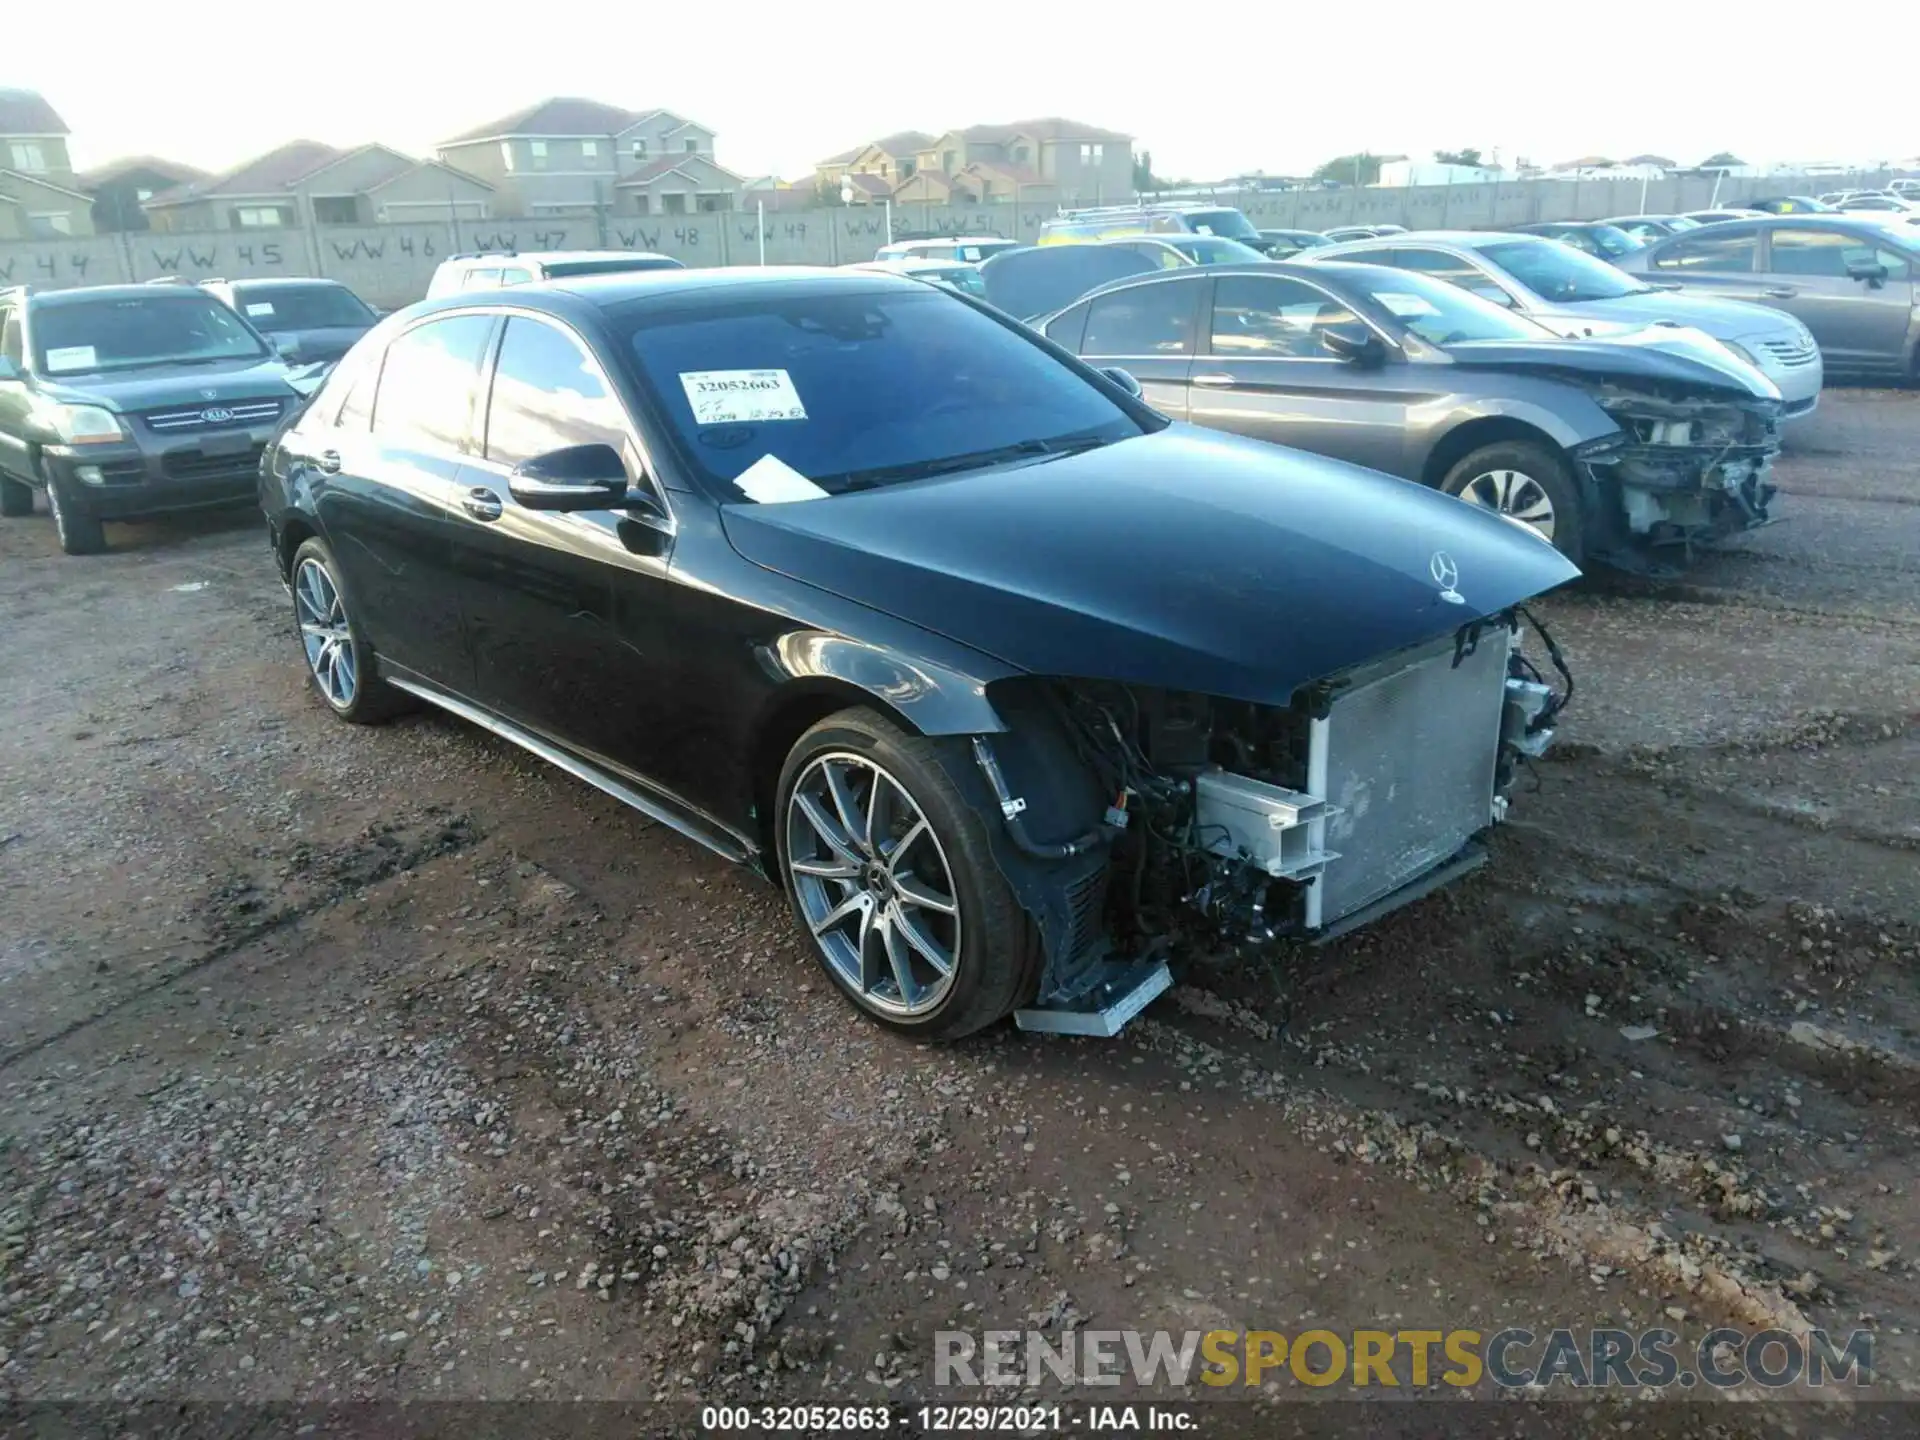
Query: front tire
1527, 483
77, 533
891, 875
339, 660
16, 497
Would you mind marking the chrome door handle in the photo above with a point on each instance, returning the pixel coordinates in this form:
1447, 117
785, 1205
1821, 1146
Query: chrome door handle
329, 461
481, 503
1780, 292
1214, 381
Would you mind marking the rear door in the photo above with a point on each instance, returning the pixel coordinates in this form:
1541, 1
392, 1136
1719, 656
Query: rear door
387, 492
1264, 372
1723, 260
1149, 331
1859, 324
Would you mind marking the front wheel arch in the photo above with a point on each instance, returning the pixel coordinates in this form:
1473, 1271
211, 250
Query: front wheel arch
1463, 440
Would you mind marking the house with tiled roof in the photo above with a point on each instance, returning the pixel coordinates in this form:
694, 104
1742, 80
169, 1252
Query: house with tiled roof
38, 194
1043, 160
120, 188
306, 182
572, 156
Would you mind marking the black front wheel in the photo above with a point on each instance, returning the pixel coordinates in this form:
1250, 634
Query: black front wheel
1529, 484
893, 881
78, 532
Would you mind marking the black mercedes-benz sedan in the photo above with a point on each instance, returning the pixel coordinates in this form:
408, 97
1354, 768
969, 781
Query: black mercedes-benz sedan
1017, 688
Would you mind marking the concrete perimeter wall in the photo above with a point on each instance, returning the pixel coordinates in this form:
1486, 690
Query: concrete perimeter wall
389, 265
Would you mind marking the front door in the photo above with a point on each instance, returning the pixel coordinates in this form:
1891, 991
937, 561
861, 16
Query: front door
566, 612
385, 477
1859, 323
1263, 371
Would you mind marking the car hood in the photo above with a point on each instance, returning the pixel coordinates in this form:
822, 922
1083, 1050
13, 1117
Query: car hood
1722, 319
1671, 353
1188, 559
327, 342
145, 389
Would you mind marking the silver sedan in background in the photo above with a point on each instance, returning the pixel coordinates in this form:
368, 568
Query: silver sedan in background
1849, 279
1576, 296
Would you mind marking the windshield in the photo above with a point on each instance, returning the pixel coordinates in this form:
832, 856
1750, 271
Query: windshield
1554, 271
180, 329
1438, 311
1230, 223
1211, 250
855, 390
301, 307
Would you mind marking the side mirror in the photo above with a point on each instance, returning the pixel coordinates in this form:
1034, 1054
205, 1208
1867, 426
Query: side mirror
1871, 271
1353, 342
1123, 379
287, 347
580, 477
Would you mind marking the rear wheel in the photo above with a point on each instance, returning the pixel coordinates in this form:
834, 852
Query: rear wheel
16, 497
1528, 484
339, 661
78, 534
892, 878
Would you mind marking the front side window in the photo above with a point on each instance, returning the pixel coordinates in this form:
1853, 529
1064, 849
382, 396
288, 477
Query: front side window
514, 276
1230, 223
487, 279
162, 329
860, 389
301, 307
1214, 250
1557, 272
427, 384
1830, 253
547, 395
1272, 319
1734, 252
13, 343
1143, 320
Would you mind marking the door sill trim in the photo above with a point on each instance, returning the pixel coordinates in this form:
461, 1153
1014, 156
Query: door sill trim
729, 847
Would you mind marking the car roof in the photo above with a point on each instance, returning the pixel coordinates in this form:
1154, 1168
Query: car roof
82, 293
955, 240
277, 282
912, 265
548, 257
637, 289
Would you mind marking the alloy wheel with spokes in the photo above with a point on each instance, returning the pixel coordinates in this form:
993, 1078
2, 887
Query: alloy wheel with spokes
325, 634
1514, 494
873, 884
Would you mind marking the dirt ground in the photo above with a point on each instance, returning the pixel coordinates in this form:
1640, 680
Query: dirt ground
389, 1064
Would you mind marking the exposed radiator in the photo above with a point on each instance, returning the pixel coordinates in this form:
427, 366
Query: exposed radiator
1409, 749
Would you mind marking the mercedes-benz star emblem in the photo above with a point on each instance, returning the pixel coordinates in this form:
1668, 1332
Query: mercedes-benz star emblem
1446, 575
217, 415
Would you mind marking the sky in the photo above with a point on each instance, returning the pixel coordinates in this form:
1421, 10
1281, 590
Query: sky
1210, 92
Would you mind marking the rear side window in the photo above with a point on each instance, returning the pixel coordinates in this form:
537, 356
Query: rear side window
1441, 266
516, 277
1734, 253
427, 385
1145, 320
1068, 328
488, 279
547, 395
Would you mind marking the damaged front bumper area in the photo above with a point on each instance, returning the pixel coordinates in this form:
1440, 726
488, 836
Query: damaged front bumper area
1681, 474
1141, 825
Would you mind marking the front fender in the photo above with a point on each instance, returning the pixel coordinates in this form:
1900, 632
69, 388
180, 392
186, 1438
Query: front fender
937, 700
1570, 417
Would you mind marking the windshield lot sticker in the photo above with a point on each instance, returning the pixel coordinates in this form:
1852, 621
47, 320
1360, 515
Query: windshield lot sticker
772, 481
741, 397
70, 357
260, 308
1406, 306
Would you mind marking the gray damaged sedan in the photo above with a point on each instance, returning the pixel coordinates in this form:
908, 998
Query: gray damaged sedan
1630, 451
1575, 295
